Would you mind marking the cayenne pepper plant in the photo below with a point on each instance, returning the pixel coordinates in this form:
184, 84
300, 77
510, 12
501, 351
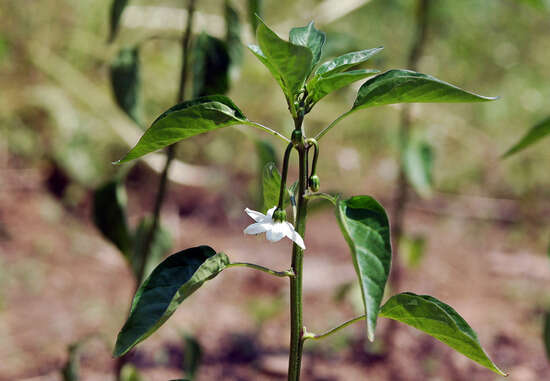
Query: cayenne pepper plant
362, 220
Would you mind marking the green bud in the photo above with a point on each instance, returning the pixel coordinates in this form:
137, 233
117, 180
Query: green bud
297, 137
279, 215
314, 183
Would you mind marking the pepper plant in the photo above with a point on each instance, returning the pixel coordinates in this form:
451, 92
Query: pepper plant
295, 65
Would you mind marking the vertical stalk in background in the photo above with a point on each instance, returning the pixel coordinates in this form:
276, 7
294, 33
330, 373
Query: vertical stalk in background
170, 151
296, 318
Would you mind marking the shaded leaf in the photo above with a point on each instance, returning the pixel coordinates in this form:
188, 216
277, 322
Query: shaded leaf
346, 61
71, 370
266, 154
405, 86
440, 321
126, 82
161, 245
185, 120
170, 283
271, 186
365, 227
210, 66
117, 7
323, 86
546, 334
233, 34
291, 63
418, 165
255, 7
532, 136
311, 38
109, 215
192, 356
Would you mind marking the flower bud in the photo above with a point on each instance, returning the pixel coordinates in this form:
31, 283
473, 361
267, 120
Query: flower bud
297, 137
314, 183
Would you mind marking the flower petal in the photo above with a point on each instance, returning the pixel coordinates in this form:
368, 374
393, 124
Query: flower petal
270, 212
256, 216
256, 228
294, 236
275, 232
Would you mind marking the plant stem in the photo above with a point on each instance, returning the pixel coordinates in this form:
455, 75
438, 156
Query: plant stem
281, 274
334, 123
312, 336
296, 319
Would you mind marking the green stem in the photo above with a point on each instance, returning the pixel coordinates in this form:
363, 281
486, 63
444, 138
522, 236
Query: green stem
312, 336
326, 196
296, 319
281, 274
269, 131
334, 123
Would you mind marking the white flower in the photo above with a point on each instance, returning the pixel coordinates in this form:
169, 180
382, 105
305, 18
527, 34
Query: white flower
274, 230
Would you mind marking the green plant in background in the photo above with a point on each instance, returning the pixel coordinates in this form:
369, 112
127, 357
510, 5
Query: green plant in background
363, 221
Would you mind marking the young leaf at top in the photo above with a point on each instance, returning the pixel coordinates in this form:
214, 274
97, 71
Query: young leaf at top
418, 165
210, 66
117, 7
185, 120
170, 283
233, 34
161, 245
109, 213
311, 38
318, 89
440, 321
346, 61
532, 136
126, 82
366, 228
289, 63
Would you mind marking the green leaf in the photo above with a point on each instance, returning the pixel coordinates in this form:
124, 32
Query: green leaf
440, 321
109, 215
317, 89
266, 154
185, 120
255, 8
192, 356
546, 334
311, 38
291, 63
255, 49
405, 86
346, 61
170, 283
532, 136
365, 227
130, 373
233, 34
117, 7
126, 82
418, 165
210, 66
161, 245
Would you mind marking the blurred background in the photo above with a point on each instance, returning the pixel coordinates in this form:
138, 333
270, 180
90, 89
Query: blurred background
478, 242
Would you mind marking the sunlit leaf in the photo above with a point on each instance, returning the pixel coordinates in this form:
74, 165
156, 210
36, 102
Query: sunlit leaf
210, 66
160, 246
346, 61
311, 38
185, 120
532, 136
233, 33
117, 7
291, 63
440, 321
109, 214
317, 89
170, 283
418, 165
255, 7
126, 81
365, 227
192, 356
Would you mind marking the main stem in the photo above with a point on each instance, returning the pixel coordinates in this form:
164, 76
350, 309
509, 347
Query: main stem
296, 319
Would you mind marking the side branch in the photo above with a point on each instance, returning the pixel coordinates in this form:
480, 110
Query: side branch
312, 336
280, 274
269, 131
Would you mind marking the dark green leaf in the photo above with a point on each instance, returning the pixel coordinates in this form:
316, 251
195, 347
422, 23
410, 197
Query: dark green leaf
418, 165
109, 213
117, 7
324, 85
255, 8
185, 120
126, 81
546, 334
311, 38
210, 66
170, 283
532, 136
365, 227
192, 356
161, 245
71, 370
346, 61
440, 321
404, 86
291, 63
130, 373
233, 34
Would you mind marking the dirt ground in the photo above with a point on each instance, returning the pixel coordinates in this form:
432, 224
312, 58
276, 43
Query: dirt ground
61, 282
